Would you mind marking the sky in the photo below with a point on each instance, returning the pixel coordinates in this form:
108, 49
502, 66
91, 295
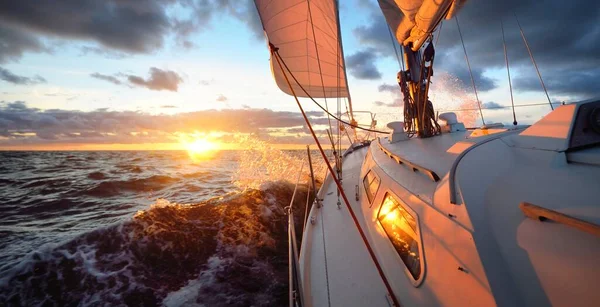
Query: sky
151, 74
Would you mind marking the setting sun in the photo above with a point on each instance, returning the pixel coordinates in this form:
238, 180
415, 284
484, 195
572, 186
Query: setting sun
201, 148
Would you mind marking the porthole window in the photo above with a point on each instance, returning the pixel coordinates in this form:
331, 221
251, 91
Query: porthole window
371, 183
401, 228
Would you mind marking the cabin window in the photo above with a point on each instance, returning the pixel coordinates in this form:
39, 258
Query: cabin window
371, 183
401, 228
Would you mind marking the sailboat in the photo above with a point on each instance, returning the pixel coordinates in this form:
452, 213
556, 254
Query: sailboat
430, 212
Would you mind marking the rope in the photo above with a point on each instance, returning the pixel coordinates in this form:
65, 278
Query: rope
533, 61
282, 62
470, 72
275, 53
512, 100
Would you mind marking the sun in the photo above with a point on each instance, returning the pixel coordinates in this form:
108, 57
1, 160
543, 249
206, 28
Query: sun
201, 148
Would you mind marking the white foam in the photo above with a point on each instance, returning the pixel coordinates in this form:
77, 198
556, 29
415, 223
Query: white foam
187, 295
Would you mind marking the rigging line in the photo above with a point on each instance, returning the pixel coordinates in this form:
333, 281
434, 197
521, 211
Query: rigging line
318, 60
395, 48
533, 61
275, 53
470, 71
282, 62
512, 100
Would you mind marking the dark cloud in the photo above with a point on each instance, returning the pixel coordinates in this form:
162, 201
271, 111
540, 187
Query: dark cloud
136, 26
394, 91
362, 64
159, 80
376, 32
491, 105
582, 83
132, 26
563, 36
14, 42
456, 65
111, 79
395, 103
7, 76
392, 88
105, 126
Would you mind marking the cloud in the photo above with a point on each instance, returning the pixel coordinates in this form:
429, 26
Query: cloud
362, 65
394, 89
394, 103
582, 83
20, 124
7, 76
111, 79
168, 107
14, 42
221, 98
159, 80
395, 92
491, 105
139, 26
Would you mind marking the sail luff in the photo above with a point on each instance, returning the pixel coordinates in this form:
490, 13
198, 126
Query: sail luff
308, 44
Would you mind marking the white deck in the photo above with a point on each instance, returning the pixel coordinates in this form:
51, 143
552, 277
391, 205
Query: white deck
353, 278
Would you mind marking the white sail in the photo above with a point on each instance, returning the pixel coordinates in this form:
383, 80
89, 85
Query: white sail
319, 68
413, 20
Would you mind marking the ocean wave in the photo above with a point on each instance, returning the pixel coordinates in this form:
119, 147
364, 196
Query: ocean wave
96, 175
227, 251
116, 187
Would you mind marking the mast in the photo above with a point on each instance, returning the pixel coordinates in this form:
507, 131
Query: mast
413, 23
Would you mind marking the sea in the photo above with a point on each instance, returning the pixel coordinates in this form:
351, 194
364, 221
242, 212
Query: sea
148, 228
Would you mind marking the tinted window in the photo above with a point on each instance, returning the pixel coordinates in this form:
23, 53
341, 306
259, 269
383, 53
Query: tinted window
401, 228
371, 183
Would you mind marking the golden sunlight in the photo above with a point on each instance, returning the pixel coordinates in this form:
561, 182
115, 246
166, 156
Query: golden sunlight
200, 148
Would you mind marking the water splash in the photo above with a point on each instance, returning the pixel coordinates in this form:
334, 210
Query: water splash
448, 92
262, 163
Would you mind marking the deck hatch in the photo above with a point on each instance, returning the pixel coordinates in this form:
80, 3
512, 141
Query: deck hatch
400, 227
